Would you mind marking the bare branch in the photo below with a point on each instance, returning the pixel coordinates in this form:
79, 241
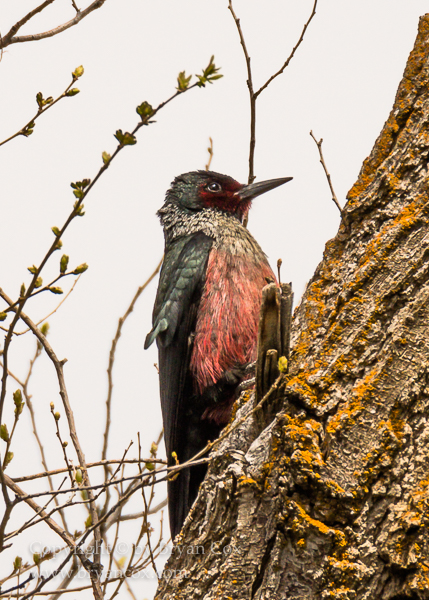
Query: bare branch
99, 463
295, 48
254, 95
251, 177
6, 39
112, 357
10, 36
58, 364
328, 177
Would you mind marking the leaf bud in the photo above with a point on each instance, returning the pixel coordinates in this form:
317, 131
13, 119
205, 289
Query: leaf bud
64, 263
73, 92
19, 404
8, 459
4, 433
282, 364
45, 329
57, 416
78, 476
78, 72
80, 269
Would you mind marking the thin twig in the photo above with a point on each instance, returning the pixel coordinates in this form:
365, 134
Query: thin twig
328, 177
112, 359
254, 95
295, 48
30, 124
52, 312
251, 177
145, 521
10, 38
58, 364
99, 463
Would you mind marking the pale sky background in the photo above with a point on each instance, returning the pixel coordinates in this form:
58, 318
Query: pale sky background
341, 84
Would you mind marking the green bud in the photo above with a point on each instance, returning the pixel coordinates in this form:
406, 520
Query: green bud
55, 290
39, 100
22, 291
88, 522
283, 364
33, 269
153, 449
65, 444
45, 328
79, 209
36, 558
28, 129
38, 283
7, 459
58, 245
78, 476
57, 416
183, 81
126, 139
78, 72
80, 269
19, 404
63, 263
3, 316
144, 110
106, 157
72, 92
150, 466
17, 563
4, 433
210, 74
56, 231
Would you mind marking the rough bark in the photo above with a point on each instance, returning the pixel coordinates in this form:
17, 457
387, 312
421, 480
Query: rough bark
331, 499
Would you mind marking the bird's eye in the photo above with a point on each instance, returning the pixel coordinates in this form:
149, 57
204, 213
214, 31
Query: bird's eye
214, 187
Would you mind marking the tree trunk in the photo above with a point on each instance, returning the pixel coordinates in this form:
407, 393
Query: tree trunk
331, 499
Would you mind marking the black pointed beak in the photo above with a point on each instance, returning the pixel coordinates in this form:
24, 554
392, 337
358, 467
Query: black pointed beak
248, 192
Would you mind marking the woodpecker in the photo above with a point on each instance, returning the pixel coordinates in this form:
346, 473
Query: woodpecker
205, 318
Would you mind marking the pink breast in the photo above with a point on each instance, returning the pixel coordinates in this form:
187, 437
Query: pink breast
227, 322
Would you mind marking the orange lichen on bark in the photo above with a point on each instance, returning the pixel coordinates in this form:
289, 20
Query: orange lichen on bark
361, 392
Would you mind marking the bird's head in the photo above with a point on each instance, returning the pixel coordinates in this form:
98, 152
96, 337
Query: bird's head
198, 190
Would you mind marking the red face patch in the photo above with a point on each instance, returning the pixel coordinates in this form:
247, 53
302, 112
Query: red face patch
223, 194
